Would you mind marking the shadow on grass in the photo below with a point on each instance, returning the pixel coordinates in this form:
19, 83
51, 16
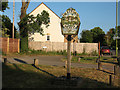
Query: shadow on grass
19, 60
105, 71
14, 76
44, 71
109, 62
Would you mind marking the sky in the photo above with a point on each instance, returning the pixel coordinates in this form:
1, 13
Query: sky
92, 14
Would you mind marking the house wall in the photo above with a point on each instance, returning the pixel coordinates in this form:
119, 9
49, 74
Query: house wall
60, 46
54, 30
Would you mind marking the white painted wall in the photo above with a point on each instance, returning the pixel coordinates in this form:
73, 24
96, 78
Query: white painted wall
54, 29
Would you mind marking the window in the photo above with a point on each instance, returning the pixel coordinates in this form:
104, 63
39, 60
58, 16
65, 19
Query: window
48, 38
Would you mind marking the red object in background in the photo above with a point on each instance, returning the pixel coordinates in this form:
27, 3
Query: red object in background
105, 50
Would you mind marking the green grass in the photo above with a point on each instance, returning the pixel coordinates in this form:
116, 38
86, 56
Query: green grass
27, 76
40, 52
91, 60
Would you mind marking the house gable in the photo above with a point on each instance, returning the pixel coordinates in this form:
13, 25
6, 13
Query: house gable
45, 6
54, 29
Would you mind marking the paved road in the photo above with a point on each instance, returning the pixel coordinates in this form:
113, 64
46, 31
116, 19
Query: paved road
53, 61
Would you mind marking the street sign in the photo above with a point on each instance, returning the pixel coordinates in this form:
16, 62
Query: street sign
70, 22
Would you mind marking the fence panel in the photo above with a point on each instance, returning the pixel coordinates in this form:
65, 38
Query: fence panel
9, 45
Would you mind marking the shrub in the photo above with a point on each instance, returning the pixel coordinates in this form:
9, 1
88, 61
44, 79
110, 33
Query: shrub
94, 53
24, 44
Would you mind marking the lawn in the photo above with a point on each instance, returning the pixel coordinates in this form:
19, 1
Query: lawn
91, 60
28, 76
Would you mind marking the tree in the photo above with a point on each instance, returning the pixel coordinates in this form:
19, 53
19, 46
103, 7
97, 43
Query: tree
109, 36
31, 25
7, 26
86, 36
4, 5
98, 35
22, 27
3, 32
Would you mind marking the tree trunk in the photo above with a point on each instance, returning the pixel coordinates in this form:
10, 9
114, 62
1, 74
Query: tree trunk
23, 39
24, 8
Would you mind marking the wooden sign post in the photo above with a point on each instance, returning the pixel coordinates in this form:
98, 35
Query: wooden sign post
69, 57
70, 23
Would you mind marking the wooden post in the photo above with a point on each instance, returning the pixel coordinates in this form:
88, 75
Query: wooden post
110, 79
7, 45
119, 79
5, 61
99, 66
99, 49
18, 45
79, 59
13, 45
65, 64
35, 62
116, 70
69, 57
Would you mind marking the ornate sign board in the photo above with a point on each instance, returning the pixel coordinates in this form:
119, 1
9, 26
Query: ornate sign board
70, 22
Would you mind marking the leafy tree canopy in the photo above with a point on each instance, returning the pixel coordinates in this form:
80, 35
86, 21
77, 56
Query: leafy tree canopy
33, 24
86, 36
7, 26
98, 35
4, 5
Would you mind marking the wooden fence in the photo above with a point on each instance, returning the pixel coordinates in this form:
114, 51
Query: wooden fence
9, 45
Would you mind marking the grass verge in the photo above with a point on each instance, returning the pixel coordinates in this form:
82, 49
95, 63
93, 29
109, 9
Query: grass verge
27, 76
91, 60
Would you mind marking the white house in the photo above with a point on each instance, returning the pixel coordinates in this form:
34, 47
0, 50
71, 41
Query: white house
53, 32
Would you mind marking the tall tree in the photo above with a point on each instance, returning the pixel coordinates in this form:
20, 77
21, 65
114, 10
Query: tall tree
30, 25
86, 36
109, 36
24, 8
23, 46
119, 36
6, 23
98, 35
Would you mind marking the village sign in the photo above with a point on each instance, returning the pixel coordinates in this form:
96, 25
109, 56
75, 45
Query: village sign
70, 23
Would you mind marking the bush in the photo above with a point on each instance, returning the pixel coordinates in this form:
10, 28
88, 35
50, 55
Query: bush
94, 53
24, 44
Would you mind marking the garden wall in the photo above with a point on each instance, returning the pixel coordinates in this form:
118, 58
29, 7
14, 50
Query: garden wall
61, 46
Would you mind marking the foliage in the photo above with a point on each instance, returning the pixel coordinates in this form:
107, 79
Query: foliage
94, 53
33, 24
4, 5
7, 27
98, 35
24, 44
3, 32
109, 37
86, 36
94, 35
41, 52
30, 24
